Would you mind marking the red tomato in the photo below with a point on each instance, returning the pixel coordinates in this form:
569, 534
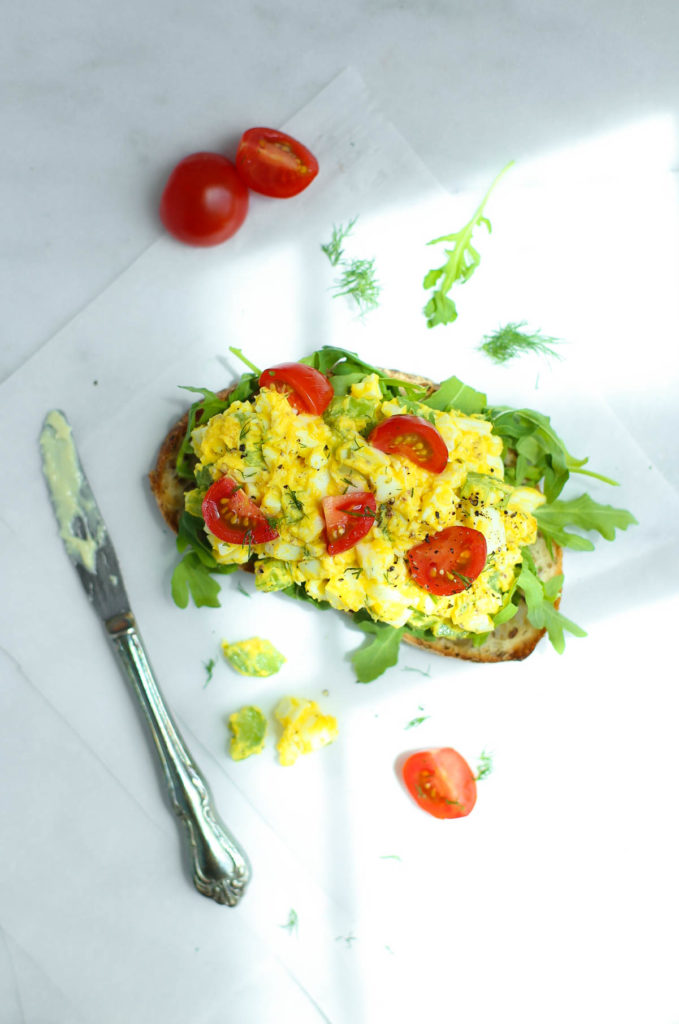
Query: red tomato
441, 782
348, 517
307, 389
413, 437
233, 517
448, 561
275, 164
204, 201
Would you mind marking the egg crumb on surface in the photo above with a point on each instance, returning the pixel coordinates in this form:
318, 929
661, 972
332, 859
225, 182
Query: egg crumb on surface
305, 728
287, 462
248, 732
253, 657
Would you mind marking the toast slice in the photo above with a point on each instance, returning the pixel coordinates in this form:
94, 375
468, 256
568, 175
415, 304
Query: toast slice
512, 641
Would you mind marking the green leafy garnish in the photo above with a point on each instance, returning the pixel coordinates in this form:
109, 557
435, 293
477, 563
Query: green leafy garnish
209, 668
244, 359
540, 597
358, 281
333, 249
453, 394
380, 653
512, 340
461, 262
192, 577
290, 925
417, 721
484, 767
584, 513
541, 455
357, 278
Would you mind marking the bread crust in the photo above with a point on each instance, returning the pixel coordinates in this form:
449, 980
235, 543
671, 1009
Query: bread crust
512, 641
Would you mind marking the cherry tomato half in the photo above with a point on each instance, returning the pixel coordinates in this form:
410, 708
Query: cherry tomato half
274, 163
348, 517
413, 437
204, 201
441, 782
233, 517
307, 389
448, 561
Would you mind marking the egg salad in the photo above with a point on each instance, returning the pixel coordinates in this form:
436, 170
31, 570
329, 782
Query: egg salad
305, 728
287, 462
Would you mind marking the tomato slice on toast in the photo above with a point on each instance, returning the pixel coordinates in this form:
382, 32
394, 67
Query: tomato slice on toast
348, 518
233, 517
307, 389
447, 562
414, 438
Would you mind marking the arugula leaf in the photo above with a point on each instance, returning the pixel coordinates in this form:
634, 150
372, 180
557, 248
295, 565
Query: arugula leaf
191, 576
540, 608
337, 361
453, 394
238, 352
203, 410
584, 513
540, 452
462, 260
380, 653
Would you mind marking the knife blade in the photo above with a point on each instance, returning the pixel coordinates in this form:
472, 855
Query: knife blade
220, 867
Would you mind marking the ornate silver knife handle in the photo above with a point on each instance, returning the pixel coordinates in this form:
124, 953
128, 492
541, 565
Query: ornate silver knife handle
220, 867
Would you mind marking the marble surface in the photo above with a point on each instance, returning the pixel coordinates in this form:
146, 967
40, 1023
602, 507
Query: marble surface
542, 912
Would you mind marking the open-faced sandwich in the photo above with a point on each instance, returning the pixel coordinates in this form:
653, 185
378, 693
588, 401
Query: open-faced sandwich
423, 512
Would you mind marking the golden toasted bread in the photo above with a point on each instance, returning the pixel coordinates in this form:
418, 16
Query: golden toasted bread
512, 641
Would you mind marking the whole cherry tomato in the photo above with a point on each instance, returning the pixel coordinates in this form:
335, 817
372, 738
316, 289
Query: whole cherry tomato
204, 201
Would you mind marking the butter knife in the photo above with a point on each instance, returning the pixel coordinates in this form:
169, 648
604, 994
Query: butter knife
220, 867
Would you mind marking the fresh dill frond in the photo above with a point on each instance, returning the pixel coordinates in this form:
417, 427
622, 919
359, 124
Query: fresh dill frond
512, 340
359, 282
333, 249
357, 278
484, 767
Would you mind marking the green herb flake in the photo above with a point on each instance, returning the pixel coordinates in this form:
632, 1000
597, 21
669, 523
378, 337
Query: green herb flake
291, 924
484, 767
209, 668
417, 721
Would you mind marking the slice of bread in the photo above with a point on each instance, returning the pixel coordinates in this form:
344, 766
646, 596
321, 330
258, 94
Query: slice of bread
512, 641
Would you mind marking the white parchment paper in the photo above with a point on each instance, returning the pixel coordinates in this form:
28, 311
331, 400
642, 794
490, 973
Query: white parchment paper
566, 869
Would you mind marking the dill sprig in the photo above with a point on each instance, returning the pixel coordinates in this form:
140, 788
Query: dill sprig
333, 249
357, 278
484, 767
512, 340
358, 281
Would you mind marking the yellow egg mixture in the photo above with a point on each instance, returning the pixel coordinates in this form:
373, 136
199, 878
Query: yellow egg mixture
288, 462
